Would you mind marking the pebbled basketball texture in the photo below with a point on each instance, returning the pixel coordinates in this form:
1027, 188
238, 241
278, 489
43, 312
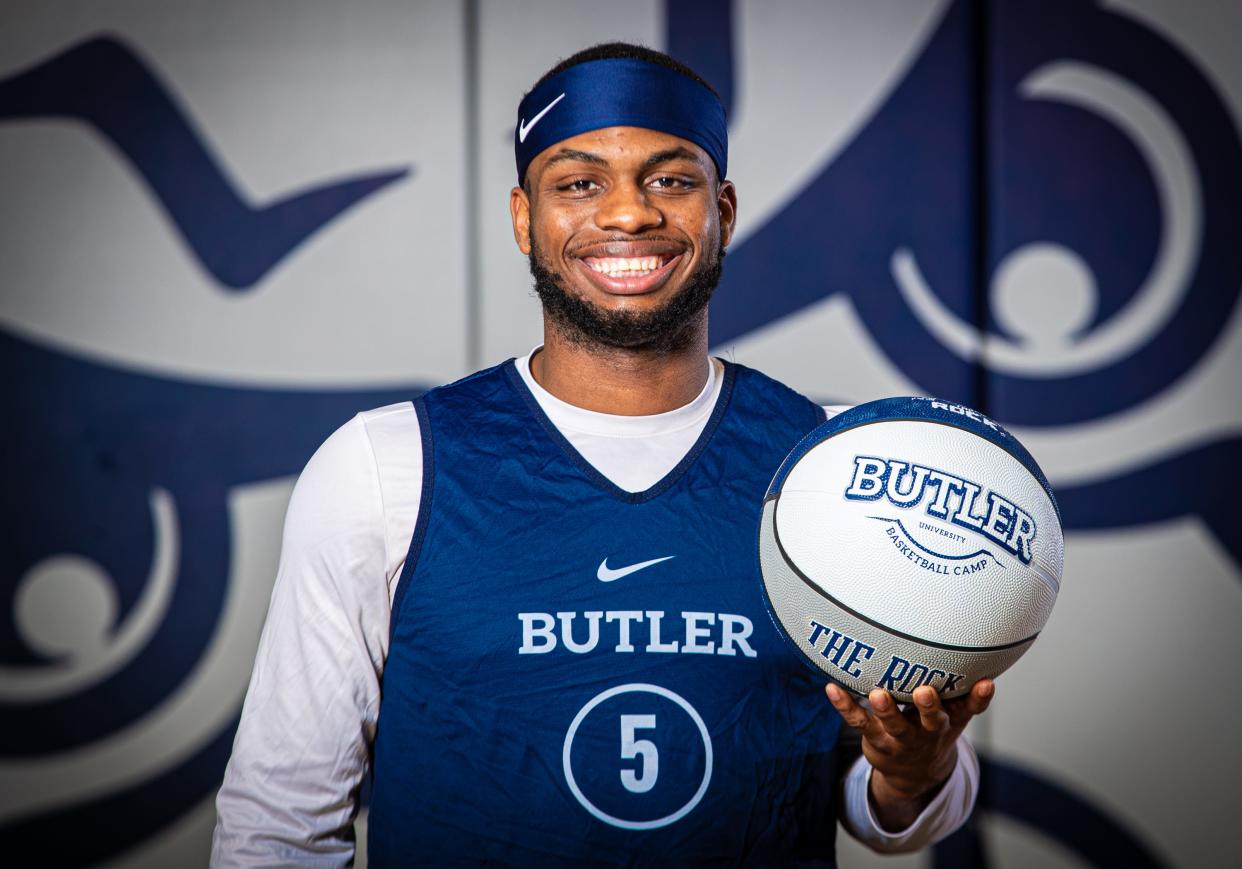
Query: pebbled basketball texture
910, 541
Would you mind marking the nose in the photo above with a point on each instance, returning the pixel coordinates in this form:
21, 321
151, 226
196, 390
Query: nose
627, 208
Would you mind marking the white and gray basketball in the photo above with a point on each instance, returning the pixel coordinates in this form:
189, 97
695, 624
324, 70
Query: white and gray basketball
908, 542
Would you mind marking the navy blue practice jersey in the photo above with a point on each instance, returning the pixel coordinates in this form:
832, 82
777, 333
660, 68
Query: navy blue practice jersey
581, 675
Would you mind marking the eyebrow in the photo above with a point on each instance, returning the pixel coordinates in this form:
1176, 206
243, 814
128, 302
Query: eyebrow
678, 153
665, 156
572, 154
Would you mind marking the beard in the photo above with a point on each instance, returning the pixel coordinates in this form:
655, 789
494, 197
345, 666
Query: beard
668, 329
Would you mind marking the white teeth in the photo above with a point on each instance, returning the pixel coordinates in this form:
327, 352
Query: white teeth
629, 266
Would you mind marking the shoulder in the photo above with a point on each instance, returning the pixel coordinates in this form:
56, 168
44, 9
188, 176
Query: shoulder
346, 487
474, 386
756, 381
760, 381
778, 396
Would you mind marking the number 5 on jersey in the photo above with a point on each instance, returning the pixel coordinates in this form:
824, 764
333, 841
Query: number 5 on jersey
644, 748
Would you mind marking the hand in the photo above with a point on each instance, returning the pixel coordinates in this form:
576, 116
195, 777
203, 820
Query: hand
912, 751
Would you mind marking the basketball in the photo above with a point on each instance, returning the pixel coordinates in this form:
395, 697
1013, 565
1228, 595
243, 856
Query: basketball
909, 542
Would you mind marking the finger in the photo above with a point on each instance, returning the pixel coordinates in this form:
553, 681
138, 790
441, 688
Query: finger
932, 716
853, 714
962, 709
980, 696
887, 713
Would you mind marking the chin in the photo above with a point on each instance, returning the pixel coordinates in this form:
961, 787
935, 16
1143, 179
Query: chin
666, 320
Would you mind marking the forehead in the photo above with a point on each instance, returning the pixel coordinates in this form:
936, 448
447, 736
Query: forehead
622, 148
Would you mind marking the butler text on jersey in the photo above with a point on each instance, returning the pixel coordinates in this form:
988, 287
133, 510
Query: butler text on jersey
701, 633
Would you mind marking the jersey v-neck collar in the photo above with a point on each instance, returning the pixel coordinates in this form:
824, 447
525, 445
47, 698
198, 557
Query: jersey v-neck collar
571, 418
582, 419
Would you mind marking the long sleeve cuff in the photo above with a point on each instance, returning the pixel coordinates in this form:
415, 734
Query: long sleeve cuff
948, 811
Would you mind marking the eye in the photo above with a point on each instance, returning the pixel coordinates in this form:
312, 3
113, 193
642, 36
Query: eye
671, 182
579, 185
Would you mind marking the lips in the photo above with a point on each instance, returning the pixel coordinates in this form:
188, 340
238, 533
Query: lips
625, 281
622, 266
629, 268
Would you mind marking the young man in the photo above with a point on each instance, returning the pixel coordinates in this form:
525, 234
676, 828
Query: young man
550, 566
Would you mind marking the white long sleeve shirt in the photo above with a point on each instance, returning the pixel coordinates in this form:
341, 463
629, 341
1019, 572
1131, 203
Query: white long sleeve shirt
302, 747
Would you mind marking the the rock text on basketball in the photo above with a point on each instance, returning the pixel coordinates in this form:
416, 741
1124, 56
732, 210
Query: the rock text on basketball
842, 651
904, 676
968, 412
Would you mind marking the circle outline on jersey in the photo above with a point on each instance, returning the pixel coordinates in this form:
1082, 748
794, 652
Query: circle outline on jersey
631, 688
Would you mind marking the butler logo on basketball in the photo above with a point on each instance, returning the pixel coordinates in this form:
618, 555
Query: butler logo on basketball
947, 497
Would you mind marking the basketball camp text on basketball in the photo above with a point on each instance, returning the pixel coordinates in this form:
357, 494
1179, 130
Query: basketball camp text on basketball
963, 569
1002, 522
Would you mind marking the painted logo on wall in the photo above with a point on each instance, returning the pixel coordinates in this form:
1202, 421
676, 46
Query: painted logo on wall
1077, 266
126, 496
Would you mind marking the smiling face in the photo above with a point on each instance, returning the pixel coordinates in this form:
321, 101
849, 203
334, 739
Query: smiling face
625, 228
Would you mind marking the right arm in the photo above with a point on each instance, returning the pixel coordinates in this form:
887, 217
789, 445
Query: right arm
302, 746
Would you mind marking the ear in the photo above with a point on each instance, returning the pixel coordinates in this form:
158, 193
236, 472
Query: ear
726, 205
519, 211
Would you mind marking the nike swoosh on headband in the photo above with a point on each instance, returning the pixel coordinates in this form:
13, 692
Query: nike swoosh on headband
608, 574
524, 128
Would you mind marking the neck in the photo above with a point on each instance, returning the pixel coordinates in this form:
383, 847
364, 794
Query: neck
621, 381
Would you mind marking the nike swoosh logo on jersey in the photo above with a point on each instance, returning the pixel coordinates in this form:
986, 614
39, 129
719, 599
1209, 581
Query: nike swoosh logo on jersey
524, 128
608, 574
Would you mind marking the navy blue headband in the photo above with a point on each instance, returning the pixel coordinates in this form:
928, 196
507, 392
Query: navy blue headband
619, 92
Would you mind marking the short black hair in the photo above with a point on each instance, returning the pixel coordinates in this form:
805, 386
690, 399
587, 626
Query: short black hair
623, 51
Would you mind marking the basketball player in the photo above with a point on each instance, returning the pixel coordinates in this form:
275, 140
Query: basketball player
550, 566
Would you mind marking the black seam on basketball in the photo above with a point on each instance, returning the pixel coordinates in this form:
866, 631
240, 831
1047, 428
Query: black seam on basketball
1043, 483
774, 617
776, 536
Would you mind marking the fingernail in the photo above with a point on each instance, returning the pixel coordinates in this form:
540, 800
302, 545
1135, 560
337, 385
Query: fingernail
879, 701
986, 689
923, 698
834, 693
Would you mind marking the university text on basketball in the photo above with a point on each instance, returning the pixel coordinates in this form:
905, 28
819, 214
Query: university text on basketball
973, 565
